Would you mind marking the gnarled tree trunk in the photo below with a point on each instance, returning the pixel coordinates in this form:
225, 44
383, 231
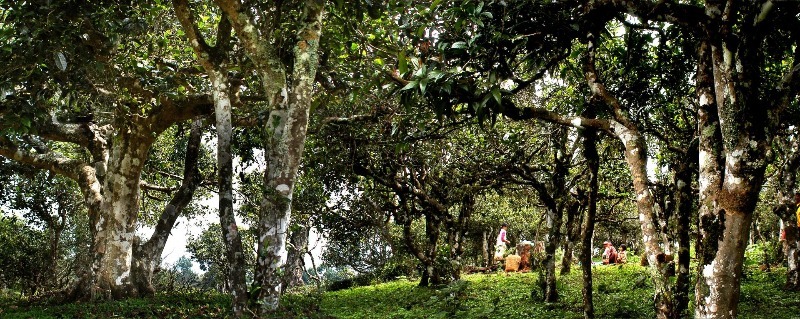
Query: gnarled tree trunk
295, 264
113, 213
737, 126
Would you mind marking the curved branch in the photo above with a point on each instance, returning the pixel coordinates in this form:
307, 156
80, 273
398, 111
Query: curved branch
581, 122
53, 162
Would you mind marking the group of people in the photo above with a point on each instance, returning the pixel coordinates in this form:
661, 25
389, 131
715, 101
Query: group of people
610, 254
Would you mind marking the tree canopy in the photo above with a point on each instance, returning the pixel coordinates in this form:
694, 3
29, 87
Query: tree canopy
403, 132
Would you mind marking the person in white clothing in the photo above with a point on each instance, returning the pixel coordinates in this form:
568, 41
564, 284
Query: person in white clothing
500, 246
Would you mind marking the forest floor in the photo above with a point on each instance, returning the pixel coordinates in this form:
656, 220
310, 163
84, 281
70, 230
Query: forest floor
619, 292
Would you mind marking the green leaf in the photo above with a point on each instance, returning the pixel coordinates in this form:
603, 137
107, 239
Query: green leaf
410, 85
422, 84
61, 61
459, 45
485, 99
435, 75
497, 96
402, 63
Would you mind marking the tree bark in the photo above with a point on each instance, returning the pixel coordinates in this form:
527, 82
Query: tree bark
785, 210
295, 265
230, 231
573, 233
113, 219
487, 261
456, 234
286, 132
213, 60
737, 129
593, 165
554, 200
147, 255
636, 158
684, 204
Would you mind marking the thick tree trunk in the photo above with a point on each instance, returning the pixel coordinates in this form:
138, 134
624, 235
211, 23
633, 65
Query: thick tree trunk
737, 125
113, 226
432, 231
593, 164
719, 281
287, 125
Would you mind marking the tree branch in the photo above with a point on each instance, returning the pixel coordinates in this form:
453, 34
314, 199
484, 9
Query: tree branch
158, 188
52, 161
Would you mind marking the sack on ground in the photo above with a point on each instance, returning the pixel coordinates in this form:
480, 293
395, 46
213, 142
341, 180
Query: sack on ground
512, 262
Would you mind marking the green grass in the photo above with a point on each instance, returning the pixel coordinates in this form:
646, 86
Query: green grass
619, 292
494, 296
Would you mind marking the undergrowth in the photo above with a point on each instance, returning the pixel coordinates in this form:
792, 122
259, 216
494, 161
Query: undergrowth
619, 292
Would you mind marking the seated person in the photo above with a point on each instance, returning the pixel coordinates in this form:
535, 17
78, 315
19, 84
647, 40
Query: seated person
609, 254
622, 255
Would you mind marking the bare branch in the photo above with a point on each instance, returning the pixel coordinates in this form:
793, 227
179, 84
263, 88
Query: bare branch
158, 188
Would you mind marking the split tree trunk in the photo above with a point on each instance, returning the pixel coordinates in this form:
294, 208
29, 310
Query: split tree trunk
286, 132
147, 255
737, 129
213, 60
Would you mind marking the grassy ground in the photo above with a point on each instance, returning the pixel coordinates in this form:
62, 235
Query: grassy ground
620, 292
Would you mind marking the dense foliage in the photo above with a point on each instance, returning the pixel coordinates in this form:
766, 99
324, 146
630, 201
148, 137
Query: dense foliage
402, 134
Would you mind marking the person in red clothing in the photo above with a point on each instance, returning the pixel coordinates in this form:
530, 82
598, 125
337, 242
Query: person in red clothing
609, 254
